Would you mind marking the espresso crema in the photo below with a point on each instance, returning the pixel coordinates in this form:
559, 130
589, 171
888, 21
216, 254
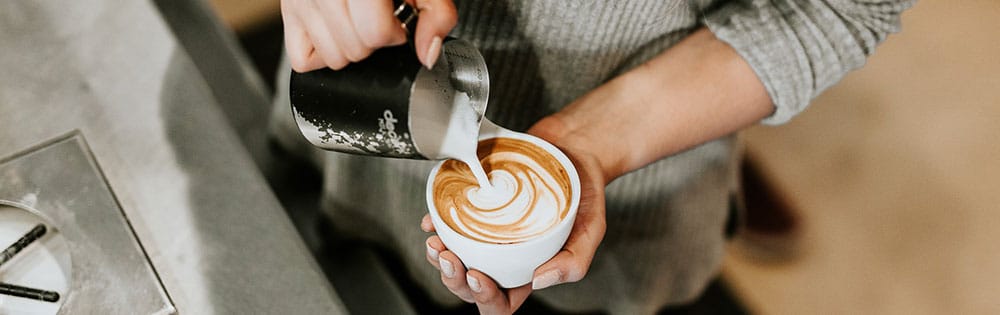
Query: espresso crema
530, 195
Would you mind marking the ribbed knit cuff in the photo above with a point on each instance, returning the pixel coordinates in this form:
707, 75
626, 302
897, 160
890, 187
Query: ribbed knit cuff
760, 34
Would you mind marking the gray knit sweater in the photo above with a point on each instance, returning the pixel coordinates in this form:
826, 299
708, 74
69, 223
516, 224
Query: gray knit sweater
665, 237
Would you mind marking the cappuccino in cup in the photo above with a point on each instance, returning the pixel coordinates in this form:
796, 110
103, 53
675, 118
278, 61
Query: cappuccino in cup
521, 220
530, 193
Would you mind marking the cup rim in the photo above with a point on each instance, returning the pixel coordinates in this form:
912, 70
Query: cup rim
564, 160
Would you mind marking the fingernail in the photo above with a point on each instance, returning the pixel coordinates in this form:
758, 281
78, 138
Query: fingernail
433, 52
432, 252
446, 267
473, 283
545, 280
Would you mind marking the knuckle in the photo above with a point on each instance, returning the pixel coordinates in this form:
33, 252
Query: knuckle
455, 288
335, 61
298, 65
357, 54
601, 223
380, 34
452, 285
354, 57
486, 296
296, 55
448, 284
435, 242
446, 13
336, 65
449, 16
576, 270
302, 63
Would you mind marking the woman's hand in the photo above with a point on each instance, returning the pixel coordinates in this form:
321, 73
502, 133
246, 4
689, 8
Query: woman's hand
696, 91
569, 265
334, 33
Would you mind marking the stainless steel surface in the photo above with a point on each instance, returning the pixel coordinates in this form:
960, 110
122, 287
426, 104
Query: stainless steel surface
459, 79
114, 73
468, 72
390, 105
110, 273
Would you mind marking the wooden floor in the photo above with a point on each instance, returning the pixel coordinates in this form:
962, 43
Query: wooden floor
897, 174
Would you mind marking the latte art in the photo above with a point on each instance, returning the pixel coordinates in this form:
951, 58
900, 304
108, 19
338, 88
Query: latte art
530, 193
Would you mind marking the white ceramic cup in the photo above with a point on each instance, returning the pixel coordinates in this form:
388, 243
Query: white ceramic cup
510, 265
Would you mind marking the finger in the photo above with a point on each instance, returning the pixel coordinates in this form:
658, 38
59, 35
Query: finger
298, 46
375, 24
453, 276
437, 18
426, 224
490, 299
341, 27
434, 249
326, 46
573, 261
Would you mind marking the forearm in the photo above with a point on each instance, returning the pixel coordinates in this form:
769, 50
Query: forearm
696, 91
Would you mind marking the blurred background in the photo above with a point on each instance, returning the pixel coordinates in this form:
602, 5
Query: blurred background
892, 175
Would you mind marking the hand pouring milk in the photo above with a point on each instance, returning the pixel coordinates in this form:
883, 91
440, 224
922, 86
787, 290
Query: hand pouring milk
389, 105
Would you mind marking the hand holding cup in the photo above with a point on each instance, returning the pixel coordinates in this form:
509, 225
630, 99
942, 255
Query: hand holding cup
571, 260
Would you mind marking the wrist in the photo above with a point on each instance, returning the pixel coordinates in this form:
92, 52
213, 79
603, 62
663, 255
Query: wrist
580, 148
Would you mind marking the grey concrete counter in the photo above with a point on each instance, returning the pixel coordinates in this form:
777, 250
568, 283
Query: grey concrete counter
114, 73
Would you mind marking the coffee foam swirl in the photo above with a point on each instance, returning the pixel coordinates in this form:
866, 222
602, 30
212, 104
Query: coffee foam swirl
530, 193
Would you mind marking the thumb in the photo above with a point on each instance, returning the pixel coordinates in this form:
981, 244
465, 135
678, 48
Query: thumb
573, 261
437, 18
564, 267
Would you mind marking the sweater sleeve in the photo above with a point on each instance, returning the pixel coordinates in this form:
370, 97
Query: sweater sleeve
798, 48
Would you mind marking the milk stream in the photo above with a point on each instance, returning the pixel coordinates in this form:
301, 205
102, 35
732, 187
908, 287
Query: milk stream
462, 138
477, 170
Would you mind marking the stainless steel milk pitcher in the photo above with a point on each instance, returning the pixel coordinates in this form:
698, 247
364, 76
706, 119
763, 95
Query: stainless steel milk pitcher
389, 104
